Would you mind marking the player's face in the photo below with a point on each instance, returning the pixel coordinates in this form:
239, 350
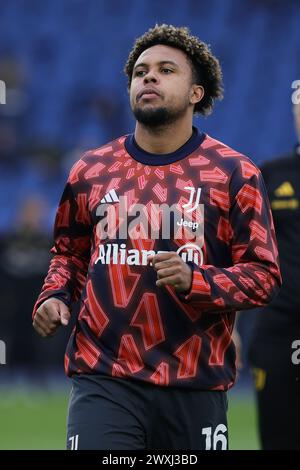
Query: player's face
161, 86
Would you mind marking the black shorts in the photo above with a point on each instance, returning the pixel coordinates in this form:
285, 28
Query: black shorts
110, 413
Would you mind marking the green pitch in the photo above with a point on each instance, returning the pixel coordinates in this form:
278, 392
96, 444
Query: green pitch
242, 422
36, 420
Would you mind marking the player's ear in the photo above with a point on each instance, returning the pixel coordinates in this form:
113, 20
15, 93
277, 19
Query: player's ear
197, 93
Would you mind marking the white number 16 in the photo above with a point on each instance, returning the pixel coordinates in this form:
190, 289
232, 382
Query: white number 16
217, 437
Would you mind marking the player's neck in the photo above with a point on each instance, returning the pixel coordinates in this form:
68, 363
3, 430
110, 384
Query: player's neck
165, 139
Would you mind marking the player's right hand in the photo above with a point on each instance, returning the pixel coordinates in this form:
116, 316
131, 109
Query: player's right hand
50, 315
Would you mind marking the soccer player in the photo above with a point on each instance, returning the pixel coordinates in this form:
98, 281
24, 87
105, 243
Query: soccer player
151, 356
274, 350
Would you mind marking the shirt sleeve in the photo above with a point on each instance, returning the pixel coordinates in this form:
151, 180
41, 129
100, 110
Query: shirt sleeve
72, 246
254, 277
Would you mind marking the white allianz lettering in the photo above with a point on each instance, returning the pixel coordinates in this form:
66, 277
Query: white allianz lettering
115, 254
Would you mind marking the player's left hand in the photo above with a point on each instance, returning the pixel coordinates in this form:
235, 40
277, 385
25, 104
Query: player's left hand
172, 270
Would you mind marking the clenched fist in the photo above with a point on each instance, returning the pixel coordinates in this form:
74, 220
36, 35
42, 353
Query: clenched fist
50, 315
172, 270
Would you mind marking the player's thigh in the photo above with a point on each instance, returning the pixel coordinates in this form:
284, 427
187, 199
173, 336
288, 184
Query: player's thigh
100, 418
190, 420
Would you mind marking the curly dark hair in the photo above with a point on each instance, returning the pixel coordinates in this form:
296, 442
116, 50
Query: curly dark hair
206, 70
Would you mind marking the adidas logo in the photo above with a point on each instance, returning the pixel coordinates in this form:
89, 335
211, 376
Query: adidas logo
111, 196
285, 189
